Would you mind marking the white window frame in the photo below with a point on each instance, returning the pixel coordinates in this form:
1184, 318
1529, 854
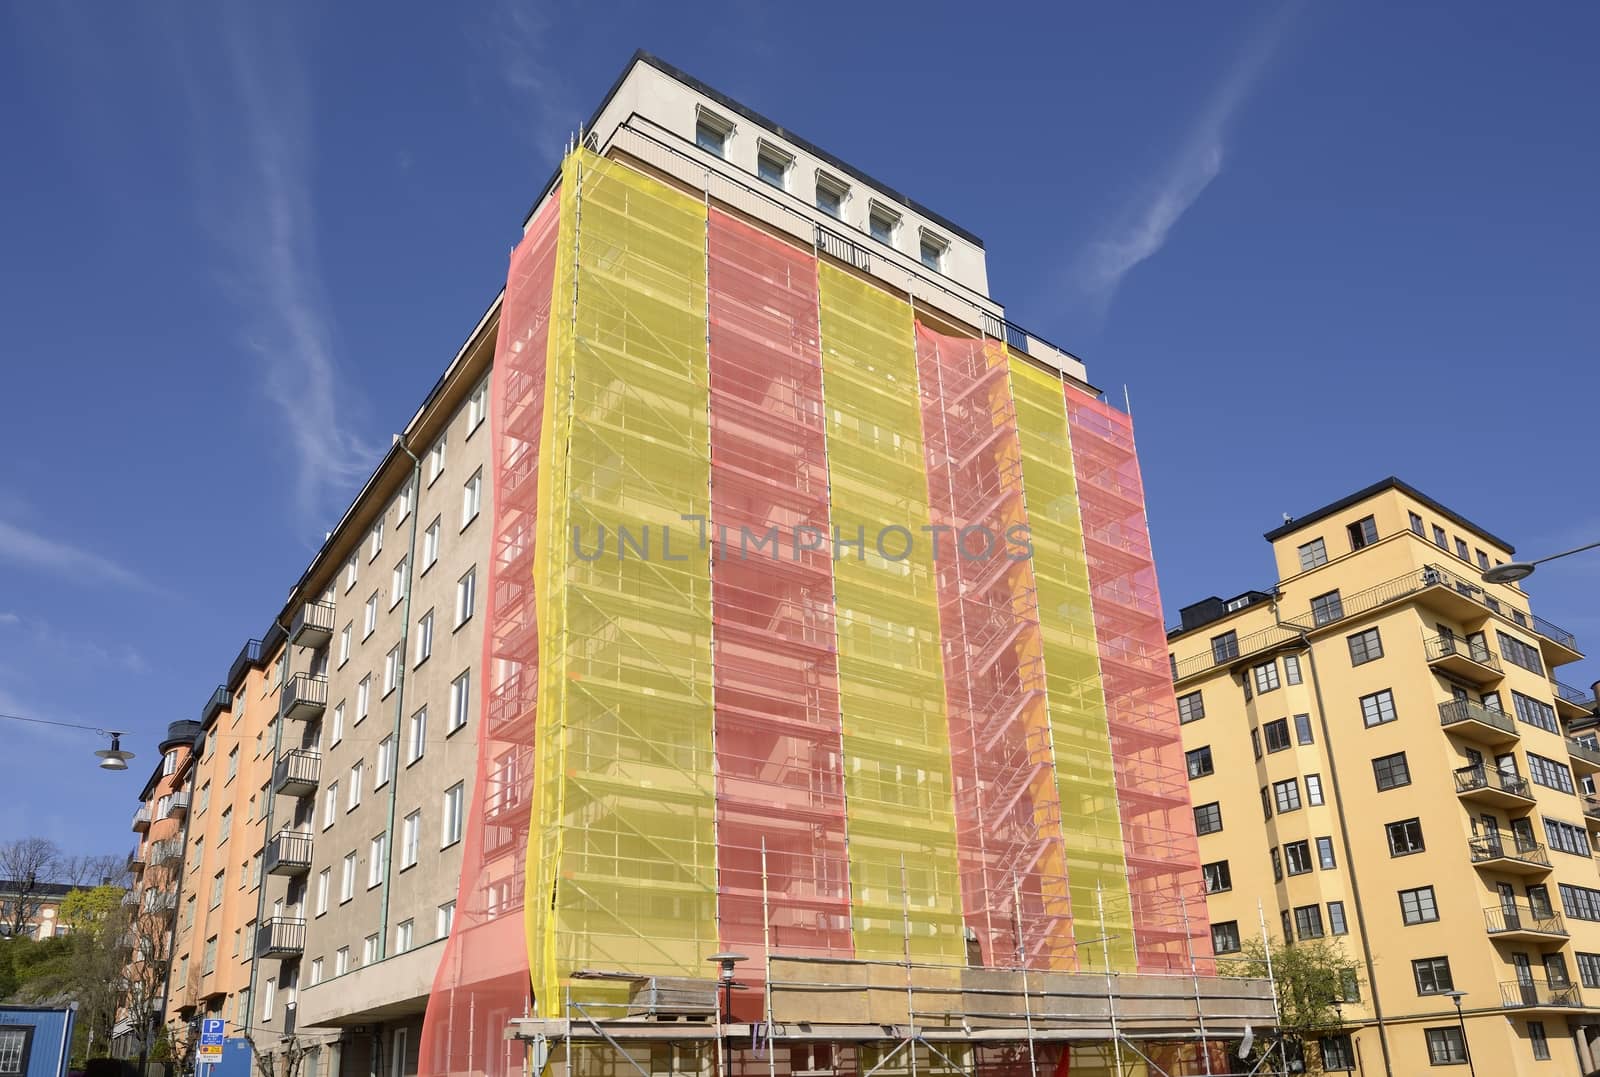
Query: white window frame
826, 181
471, 498
347, 878
324, 884
377, 848
391, 671
330, 804
477, 406
716, 124
358, 775
436, 459
410, 839
375, 541
369, 616
424, 638
417, 735
446, 919
878, 211
466, 596
385, 767
397, 583
769, 151
341, 961
926, 240
344, 643
452, 817
430, 544
460, 700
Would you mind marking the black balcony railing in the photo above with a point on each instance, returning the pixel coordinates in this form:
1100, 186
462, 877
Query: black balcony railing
279, 936
1520, 994
1463, 710
1470, 779
249, 655
1499, 848
1573, 695
1440, 647
1511, 916
1555, 633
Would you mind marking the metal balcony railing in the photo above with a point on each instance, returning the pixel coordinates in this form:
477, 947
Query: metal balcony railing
1579, 750
1520, 994
1462, 710
312, 625
160, 900
1576, 696
220, 700
280, 936
1555, 633
304, 697
1439, 647
297, 772
1512, 916
141, 819
164, 852
1497, 848
177, 805
1472, 778
130, 899
249, 655
288, 853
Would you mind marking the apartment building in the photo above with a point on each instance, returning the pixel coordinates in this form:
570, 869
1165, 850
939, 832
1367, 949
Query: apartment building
39, 905
1379, 753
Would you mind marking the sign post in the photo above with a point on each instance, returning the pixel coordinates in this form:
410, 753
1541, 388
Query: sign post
211, 1036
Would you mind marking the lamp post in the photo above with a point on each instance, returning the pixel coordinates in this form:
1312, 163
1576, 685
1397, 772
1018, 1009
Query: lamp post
1512, 571
1456, 997
726, 962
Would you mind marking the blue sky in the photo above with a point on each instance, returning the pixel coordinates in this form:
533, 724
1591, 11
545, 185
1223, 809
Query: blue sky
1318, 243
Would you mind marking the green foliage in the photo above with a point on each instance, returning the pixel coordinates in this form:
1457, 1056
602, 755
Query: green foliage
95, 910
1311, 976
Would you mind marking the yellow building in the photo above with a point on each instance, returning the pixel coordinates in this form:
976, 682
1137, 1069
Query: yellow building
1413, 787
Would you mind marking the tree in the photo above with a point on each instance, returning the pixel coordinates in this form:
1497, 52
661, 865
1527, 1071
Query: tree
25, 868
1313, 977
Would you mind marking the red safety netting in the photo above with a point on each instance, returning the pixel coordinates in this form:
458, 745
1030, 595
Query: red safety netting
778, 763
1008, 810
482, 979
1152, 787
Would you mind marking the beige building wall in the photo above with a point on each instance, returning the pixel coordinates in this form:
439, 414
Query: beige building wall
1398, 705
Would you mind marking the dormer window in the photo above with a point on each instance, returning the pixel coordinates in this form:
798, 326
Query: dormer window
831, 193
772, 166
711, 132
883, 223
932, 251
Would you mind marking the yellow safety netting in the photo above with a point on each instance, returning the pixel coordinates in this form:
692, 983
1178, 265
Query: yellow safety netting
1085, 774
623, 842
896, 736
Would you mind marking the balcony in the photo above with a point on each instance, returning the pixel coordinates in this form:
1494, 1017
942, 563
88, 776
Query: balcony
178, 805
1511, 922
130, 899
1558, 645
1572, 702
141, 820
304, 698
160, 901
136, 860
166, 852
312, 625
1490, 785
1540, 995
1467, 660
1591, 811
220, 700
250, 655
1475, 722
1584, 759
281, 936
1514, 856
289, 853
297, 773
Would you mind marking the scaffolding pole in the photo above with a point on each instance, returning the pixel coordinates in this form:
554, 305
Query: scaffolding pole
1194, 978
1111, 995
1022, 963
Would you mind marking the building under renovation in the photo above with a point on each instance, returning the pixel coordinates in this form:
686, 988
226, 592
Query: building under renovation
825, 649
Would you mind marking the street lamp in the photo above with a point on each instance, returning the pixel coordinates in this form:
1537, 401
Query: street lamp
725, 963
1513, 571
1456, 997
113, 758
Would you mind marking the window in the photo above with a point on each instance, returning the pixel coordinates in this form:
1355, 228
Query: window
460, 697
375, 540
1378, 708
1438, 538
316, 971
1416, 523
1255, 742
1549, 773
1276, 734
451, 828
1217, 876
1312, 554
1405, 837
402, 504
1225, 937
711, 133
341, 961
391, 670
385, 768
1534, 712
1208, 818
1308, 921
1461, 549
430, 545
410, 839
772, 165
1325, 859
347, 878
330, 804
425, 638
1266, 677
1225, 648
344, 643
218, 882
1538, 1040
1297, 857
1277, 871
477, 407
883, 223
227, 825
1314, 790
831, 194
466, 596
397, 583
358, 773
369, 950
1581, 902
1327, 608
336, 725
1337, 1052
1519, 653
416, 736
1266, 803
1391, 771
1364, 532
350, 572
1483, 561
436, 460
269, 998
1432, 975
1286, 794
324, 883
932, 250
1336, 924
1365, 647
1199, 762
363, 697
1191, 708
471, 498
1417, 906
1291, 669
1302, 729
446, 919
233, 764
1566, 837
1444, 1044
377, 849
369, 616
1589, 969
402, 936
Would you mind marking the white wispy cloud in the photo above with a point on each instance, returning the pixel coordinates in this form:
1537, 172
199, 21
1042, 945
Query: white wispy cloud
517, 36
30, 548
1144, 228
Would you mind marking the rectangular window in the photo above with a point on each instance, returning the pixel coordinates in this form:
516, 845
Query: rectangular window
1439, 539
1291, 669
711, 133
397, 583
1461, 549
1266, 803
1217, 877
460, 696
1276, 734
1445, 1047
369, 615
471, 498
477, 406
1405, 837
1314, 790
1297, 857
402, 936
466, 596
1519, 653
1286, 795
1255, 742
1308, 922
931, 251
1417, 906
1325, 854
375, 540
1225, 937
369, 950
316, 971
1534, 712
227, 825
269, 998
391, 670
1580, 902
1225, 648
1208, 818
385, 768
1538, 1040
350, 572
1378, 708
1588, 969
1416, 523
436, 460
1549, 773
358, 774
1483, 561
347, 878
1391, 771
430, 545
1336, 925
1302, 728
772, 166
883, 223
377, 848
424, 638
1313, 554
1198, 760
1566, 837
363, 698
402, 504
324, 885
1432, 975
1337, 1052
1363, 533
330, 804
1191, 708
1266, 676
1327, 608
410, 839
831, 194
417, 736
450, 830
446, 919
336, 725
1277, 870
1365, 647
341, 961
